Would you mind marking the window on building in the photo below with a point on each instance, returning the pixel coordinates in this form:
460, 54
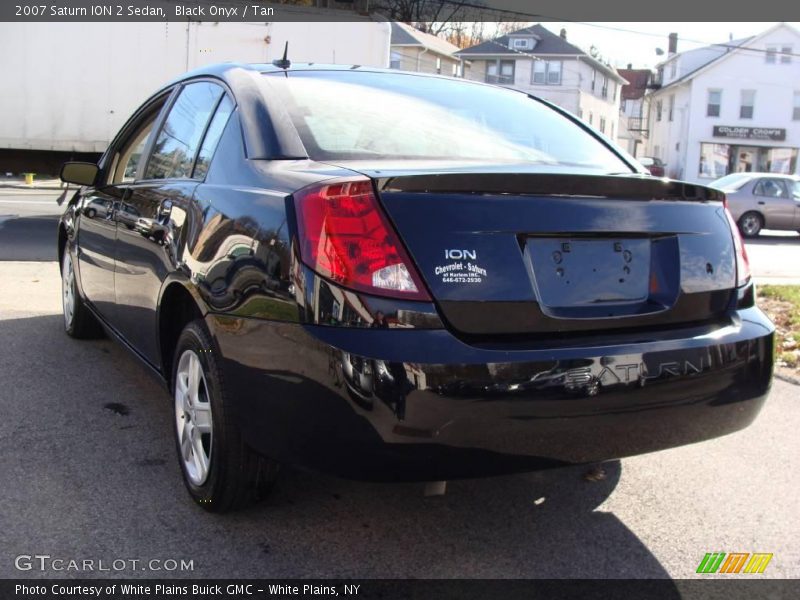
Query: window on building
714, 103
604, 90
602, 124
546, 72
394, 60
658, 110
671, 108
591, 117
180, 136
796, 107
580, 113
554, 73
748, 102
521, 43
614, 91
500, 71
786, 55
714, 160
438, 65
594, 78
772, 51
673, 69
539, 71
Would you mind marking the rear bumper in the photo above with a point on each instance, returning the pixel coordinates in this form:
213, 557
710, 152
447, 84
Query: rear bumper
421, 404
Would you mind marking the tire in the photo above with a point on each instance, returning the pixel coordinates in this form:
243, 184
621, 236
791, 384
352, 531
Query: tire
79, 322
220, 471
750, 224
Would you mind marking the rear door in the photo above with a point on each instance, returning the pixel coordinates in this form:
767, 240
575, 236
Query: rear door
773, 197
158, 207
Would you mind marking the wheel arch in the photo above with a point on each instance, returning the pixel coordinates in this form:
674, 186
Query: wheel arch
756, 212
62, 241
178, 304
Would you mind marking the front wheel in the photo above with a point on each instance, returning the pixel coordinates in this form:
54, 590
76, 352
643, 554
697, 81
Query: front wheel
220, 471
79, 322
750, 224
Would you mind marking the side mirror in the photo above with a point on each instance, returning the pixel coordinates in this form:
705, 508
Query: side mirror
80, 173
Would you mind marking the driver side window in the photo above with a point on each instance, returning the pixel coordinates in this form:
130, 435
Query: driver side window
131, 155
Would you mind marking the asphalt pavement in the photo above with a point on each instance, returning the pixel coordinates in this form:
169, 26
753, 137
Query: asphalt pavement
89, 471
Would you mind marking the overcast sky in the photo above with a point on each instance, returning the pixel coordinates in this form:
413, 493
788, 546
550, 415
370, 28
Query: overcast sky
637, 42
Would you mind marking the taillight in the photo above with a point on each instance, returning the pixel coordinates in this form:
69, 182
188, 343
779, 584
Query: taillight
742, 263
345, 237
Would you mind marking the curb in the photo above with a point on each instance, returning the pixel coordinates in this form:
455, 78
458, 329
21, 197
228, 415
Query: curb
30, 188
787, 378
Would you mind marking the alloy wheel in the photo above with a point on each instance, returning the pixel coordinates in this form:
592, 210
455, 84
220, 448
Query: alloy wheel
751, 225
193, 417
68, 289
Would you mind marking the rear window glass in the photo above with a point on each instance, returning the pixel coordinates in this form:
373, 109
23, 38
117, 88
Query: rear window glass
360, 115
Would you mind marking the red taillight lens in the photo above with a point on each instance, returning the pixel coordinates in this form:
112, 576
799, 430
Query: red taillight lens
742, 263
345, 237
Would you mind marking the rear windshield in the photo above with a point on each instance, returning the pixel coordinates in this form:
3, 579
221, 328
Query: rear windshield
362, 115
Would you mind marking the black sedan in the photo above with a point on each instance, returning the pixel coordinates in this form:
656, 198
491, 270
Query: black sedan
392, 276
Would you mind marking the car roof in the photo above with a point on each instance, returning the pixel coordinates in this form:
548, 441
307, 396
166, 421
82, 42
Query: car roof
753, 175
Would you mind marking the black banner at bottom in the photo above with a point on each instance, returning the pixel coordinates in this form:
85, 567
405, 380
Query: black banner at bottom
733, 588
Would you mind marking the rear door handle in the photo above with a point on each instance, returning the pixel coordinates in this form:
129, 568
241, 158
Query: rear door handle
761, 202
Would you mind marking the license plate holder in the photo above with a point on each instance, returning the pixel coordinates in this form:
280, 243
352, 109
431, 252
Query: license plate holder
574, 272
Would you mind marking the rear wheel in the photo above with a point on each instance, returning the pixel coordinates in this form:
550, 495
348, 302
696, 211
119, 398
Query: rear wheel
79, 322
220, 471
750, 224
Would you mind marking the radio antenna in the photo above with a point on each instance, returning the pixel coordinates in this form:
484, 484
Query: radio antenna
283, 63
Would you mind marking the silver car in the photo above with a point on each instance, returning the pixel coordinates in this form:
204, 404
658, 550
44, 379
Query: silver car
762, 201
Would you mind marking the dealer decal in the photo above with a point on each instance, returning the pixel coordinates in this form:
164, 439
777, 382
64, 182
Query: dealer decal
463, 269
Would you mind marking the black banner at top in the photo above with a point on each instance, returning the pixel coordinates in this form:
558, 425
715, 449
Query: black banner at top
403, 10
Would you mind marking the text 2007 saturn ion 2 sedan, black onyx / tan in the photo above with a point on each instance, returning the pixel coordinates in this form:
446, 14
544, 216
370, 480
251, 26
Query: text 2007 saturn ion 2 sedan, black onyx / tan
392, 276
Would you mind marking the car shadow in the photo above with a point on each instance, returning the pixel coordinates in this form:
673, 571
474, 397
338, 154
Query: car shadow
89, 462
29, 238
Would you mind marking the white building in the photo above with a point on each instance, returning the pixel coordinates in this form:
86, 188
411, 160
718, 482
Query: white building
728, 108
546, 65
414, 50
71, 86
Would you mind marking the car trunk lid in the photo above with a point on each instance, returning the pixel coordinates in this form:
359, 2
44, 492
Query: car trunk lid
533, 253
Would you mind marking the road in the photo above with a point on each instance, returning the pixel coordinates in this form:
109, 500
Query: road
27, 225
89, 470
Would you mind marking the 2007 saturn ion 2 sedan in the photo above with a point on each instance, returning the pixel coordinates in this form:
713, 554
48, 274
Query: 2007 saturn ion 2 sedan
391, 276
